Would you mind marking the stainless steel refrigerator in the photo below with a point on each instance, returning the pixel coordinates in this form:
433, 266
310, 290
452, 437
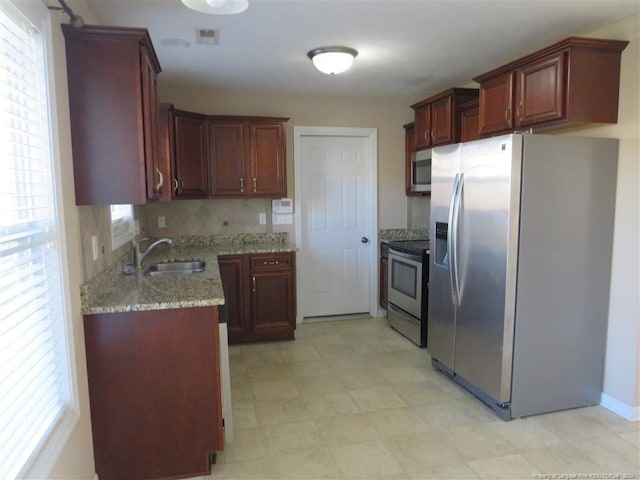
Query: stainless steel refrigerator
521, 237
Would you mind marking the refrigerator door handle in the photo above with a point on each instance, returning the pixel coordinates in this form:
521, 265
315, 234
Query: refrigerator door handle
454, 229
451, 239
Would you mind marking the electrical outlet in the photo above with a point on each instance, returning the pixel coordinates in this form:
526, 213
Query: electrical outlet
262, 217
162, 222
95, 248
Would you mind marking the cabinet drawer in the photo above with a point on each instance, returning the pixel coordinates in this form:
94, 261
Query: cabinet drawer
271, 261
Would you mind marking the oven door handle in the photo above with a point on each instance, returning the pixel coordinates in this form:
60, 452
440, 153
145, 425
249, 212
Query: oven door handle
408, 256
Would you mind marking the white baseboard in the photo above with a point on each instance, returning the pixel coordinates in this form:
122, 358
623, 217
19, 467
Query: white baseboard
620, 408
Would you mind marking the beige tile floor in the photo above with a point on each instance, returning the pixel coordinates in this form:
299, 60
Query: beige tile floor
355, 400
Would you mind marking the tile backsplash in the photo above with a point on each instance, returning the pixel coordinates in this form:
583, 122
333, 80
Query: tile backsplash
208, 217
418, 212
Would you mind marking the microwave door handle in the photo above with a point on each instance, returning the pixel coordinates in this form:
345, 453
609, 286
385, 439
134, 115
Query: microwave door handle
450, 239
456, 222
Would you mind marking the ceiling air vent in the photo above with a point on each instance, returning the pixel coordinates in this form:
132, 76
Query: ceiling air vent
207, 36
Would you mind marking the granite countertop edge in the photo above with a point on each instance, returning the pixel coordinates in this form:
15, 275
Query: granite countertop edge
114, 292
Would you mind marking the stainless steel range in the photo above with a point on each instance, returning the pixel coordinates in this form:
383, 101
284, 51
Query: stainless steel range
408, 289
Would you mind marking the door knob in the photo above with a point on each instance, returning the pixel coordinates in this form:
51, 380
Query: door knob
364, 240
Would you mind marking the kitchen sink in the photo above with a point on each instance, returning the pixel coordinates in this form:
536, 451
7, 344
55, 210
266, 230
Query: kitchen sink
175, 268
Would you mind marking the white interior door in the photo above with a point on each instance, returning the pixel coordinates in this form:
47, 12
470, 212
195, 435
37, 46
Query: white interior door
336, 222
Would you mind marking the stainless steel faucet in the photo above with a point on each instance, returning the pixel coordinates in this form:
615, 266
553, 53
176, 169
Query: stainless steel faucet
140, 255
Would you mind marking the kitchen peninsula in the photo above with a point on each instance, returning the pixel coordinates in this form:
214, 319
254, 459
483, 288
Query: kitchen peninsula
157, 358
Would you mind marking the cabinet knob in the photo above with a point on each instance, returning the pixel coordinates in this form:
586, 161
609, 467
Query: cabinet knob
255, 183
241, 184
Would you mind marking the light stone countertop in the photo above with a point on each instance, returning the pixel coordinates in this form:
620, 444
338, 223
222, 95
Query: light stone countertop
112, 291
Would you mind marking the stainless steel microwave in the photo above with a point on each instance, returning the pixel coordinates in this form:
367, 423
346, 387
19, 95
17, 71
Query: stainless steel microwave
421, 171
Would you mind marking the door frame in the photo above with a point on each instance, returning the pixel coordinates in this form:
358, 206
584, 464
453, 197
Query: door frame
371, 137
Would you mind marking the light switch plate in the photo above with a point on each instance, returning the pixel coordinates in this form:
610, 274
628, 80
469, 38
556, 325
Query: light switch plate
162, 222
95, 247
262, 218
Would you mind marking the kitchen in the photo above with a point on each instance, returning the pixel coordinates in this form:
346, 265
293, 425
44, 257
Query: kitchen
387, 116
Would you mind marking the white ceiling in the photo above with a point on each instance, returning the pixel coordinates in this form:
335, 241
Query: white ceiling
407, 48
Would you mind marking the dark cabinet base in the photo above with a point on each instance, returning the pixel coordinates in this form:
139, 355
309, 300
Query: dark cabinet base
154, 387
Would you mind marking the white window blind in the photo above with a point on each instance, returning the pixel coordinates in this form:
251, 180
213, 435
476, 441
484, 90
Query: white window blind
34, 368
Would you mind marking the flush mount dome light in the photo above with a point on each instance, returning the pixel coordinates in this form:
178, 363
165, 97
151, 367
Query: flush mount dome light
217, 7
332, 60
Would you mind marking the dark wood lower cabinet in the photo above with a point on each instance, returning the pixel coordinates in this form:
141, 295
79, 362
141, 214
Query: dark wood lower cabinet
154, 387
260, 295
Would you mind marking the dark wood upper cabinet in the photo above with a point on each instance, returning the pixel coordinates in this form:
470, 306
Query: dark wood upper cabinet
165, 152
227, 148
247, 156
267, 159
191, 162
571, 82
436, 122
422, 127
112, 80
496, 99
469, 116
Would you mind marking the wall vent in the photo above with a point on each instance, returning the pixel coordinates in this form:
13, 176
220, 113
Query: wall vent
207, 36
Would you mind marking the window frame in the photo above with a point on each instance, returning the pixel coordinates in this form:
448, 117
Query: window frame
45, 455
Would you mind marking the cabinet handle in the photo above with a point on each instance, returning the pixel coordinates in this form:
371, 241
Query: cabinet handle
433, 133
426, 134
161, 181
255, 184
253, 282
520, 111
241, 184
180, 184
507, 113
273, 262
175, 185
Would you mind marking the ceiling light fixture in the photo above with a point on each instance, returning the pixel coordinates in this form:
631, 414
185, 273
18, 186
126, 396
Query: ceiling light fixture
217, 7
332, 60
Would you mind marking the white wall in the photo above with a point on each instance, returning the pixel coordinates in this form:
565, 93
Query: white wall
622, 376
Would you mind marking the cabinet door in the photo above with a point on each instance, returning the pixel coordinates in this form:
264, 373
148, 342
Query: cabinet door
422, 126
154, 177
540, 91
496, 100
151, 372
191, 159
442, 121
227, 159
267, 160
272, 305
165, 150
234, 273
469, 118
